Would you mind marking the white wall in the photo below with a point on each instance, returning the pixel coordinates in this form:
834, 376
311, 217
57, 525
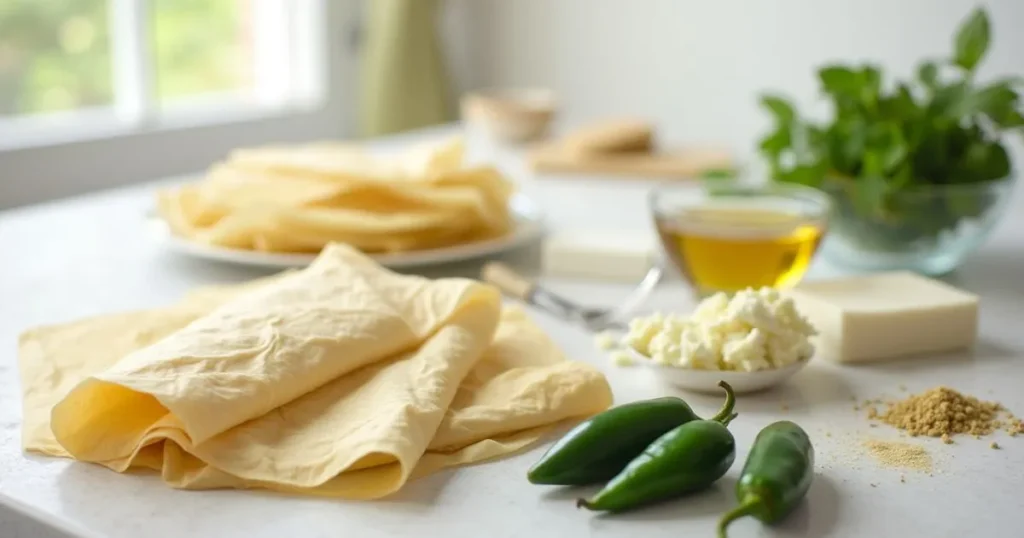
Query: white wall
696, 66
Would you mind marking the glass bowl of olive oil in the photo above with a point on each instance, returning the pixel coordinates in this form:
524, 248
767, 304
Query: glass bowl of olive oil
726, 236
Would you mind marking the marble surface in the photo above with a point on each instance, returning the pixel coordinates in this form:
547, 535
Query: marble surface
92, 255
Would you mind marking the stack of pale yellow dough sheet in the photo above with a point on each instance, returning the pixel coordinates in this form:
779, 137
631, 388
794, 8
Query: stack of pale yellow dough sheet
342, 379
296, 199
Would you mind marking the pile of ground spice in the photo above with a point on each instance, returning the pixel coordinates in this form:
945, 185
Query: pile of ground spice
944, 412
901, 455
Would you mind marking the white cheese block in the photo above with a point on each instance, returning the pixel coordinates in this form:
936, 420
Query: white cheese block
887, 315
599, 255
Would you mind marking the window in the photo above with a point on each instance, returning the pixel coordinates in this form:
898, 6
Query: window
81, 69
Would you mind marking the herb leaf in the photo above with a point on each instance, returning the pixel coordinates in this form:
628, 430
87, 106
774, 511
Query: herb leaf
839, 81
779, 107
928, 74
972, 40
998, 101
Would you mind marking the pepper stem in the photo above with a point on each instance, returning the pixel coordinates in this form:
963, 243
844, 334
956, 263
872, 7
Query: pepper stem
583, 503
750, 503
729, 419
725, 413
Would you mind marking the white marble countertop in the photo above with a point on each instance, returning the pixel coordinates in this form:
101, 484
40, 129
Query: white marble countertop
92, 255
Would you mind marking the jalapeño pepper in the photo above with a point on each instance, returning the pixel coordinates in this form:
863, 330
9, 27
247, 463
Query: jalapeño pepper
598, 449
776, 475
687, 459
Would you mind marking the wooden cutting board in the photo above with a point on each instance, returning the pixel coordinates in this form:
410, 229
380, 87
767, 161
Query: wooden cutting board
668, 164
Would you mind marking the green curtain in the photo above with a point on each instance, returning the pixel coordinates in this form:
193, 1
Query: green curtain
403, 82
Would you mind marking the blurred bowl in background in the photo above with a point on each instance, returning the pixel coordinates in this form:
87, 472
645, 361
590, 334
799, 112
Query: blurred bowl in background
930, 229
513, 115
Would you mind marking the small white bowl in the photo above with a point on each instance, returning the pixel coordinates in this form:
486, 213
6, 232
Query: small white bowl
511, 114
706, 381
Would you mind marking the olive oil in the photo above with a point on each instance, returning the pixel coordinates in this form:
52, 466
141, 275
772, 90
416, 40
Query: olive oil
729, 248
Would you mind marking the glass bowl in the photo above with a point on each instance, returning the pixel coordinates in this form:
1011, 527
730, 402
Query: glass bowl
929, 230
726, 235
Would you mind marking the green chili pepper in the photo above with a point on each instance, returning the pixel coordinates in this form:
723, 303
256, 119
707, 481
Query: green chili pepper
689, 458
776, 475
597, 449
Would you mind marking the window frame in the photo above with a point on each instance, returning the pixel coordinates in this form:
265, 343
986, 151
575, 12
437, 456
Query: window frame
56, 157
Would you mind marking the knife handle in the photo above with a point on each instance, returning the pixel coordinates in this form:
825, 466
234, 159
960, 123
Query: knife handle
507, 280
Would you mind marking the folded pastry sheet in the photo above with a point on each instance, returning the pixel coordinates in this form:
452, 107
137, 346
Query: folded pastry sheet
342, 379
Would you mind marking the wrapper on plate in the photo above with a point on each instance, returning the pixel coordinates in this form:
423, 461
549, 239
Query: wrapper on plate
300, 198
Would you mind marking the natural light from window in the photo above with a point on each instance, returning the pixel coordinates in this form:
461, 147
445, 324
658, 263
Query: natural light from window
73, 69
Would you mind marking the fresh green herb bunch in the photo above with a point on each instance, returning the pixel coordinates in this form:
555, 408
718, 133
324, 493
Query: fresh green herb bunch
883, 144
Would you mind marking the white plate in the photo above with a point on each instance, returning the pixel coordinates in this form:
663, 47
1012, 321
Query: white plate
706, 381
528, 227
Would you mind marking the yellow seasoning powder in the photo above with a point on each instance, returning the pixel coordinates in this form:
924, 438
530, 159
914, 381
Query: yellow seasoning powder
941, 412
900, 455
